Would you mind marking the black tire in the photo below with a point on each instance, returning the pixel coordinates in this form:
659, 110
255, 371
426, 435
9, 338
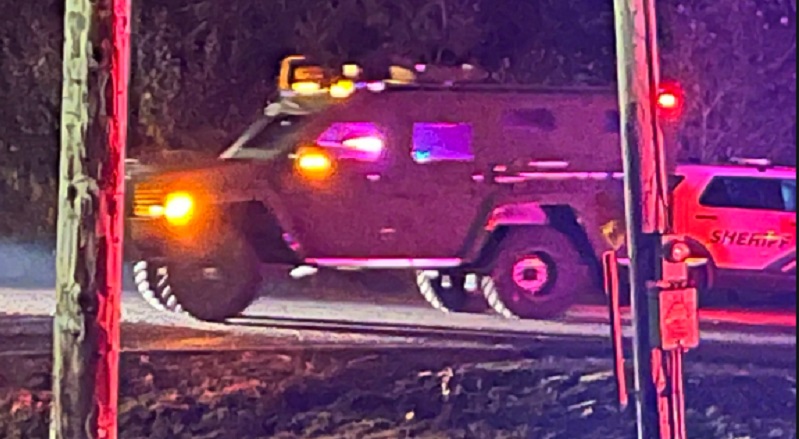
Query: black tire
182, 283
551, 257
455, 299
220, 284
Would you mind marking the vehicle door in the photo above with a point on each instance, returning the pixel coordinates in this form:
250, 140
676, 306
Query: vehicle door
747, 223
341, 217
438, 194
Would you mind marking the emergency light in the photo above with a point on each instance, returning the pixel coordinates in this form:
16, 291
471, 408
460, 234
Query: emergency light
299, 77
313, 163
670, 101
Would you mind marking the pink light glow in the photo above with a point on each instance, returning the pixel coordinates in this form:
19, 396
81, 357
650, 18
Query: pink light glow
366, 144
385, 263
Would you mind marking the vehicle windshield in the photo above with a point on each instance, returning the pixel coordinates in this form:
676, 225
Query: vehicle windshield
269, 136
272, 132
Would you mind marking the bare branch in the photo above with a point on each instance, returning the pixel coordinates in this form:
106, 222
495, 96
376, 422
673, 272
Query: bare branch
776, 65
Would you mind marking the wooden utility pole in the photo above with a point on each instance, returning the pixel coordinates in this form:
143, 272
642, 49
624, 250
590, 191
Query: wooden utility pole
646, 192
90, 220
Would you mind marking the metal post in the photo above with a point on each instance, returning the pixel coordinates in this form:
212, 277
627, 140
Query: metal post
90, 220
646, 192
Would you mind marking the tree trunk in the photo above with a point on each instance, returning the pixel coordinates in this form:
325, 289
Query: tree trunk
90, 220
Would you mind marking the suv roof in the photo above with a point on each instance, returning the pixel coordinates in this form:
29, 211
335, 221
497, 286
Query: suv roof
737, 170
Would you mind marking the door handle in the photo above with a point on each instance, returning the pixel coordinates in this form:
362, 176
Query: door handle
707, 217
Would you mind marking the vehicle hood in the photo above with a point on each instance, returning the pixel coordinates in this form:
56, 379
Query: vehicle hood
215, 177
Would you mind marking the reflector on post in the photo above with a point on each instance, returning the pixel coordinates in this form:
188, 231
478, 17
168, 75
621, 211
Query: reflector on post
679, 319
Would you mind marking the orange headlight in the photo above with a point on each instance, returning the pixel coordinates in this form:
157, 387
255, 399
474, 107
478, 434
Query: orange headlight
179, 208
314, 163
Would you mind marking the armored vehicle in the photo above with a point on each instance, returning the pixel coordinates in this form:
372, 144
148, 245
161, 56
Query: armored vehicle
493, 196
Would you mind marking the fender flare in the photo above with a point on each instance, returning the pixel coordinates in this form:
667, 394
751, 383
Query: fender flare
517, 214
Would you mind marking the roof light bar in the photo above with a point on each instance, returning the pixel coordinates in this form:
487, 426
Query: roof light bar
758, 162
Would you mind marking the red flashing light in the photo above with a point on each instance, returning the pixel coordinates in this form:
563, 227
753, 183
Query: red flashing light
670, 101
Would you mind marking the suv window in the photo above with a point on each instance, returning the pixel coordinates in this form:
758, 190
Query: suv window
751, 193
675, 181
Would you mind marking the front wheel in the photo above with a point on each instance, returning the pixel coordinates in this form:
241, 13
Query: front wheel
213, 287
537, 275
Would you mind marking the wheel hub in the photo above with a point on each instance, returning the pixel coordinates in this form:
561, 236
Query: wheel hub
531, 274
212, 274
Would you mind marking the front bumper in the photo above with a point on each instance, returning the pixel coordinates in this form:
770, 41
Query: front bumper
147, 237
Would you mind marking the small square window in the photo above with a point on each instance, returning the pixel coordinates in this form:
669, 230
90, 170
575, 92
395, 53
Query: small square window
536, 119
613, 122
436, 142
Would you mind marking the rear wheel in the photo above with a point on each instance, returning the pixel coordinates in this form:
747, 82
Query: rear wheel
450, 293
215, 286
537, 275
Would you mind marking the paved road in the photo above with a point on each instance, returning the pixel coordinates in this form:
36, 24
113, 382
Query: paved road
284, 321
379, 308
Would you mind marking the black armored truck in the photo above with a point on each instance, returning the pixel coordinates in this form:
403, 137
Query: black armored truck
494, 196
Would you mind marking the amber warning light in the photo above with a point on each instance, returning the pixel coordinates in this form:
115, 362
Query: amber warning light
178, 208
314, 163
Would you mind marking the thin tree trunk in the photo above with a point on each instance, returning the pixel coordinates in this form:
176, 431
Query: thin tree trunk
90, 220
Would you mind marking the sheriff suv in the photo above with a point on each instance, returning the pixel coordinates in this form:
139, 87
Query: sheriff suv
501, 197
742, 219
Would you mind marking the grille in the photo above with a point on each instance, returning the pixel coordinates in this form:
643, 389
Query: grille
144, 197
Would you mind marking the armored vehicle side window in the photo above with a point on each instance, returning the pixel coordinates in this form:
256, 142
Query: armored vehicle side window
537, 119
437, 142
613, 122
360, 141
751, 193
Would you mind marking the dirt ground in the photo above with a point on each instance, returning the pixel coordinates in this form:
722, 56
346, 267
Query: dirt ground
393, 394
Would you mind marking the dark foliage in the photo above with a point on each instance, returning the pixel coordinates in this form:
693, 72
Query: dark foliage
391, 396
203, 69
